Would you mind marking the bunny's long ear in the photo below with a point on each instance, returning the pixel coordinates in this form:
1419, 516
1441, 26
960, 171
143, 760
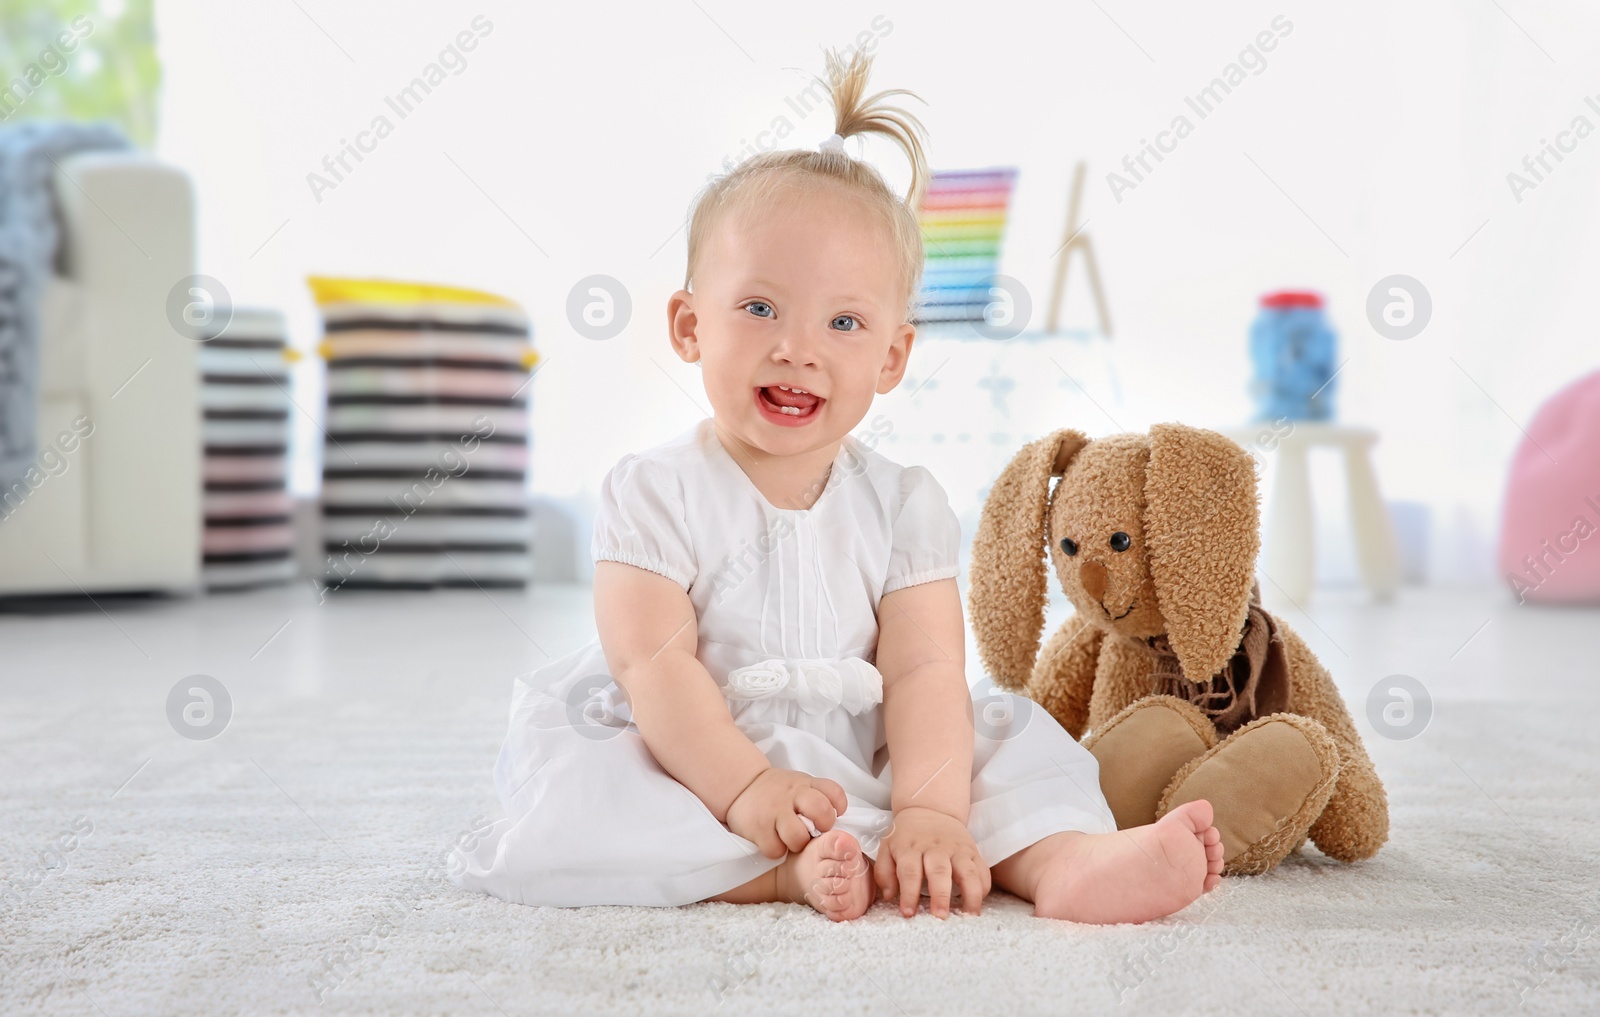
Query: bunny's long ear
1202, 526
1007, 573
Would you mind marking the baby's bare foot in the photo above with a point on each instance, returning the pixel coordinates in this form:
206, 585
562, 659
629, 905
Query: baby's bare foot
1133, 875
831, 874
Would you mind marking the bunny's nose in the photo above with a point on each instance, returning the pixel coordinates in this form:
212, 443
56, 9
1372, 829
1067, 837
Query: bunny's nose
1093, 576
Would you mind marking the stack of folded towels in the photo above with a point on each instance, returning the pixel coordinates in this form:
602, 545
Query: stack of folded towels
244, 395
426, 454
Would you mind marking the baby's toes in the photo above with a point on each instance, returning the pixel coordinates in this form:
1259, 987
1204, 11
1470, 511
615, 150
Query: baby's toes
838, 845
824, 895
1213, 863
829, 883
859, 866
837, 901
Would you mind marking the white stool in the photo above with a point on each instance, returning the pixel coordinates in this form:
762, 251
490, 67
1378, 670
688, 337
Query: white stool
1290, 541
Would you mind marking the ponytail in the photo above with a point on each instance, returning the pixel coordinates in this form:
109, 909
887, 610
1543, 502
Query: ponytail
855, 112
759, 178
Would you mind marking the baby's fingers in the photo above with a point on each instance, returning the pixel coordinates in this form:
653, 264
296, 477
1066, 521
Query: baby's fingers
971, 875
834, 791
771, 844
937, 868
792, 830
813, 803
910, 873
883, 871
762, 831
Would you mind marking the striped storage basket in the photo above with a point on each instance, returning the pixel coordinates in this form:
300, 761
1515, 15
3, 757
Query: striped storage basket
244, 395
963, 218
425, 463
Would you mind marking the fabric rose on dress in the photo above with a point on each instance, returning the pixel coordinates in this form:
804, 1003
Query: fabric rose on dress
863, 685
758, 681
817, 685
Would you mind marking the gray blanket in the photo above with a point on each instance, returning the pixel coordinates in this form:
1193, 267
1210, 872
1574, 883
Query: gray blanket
29, 227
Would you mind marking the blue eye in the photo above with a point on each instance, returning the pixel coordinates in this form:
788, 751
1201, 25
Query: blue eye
845, 323
760, 308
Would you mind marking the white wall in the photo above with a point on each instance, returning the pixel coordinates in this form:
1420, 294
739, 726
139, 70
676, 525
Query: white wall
585, 129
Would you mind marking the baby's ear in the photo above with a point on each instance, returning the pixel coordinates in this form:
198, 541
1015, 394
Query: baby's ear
681, 324
897, 359
1007, 574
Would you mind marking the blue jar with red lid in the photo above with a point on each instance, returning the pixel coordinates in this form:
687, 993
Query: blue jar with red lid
1293, 354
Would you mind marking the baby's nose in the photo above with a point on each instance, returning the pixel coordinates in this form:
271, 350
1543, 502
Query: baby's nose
1094, 578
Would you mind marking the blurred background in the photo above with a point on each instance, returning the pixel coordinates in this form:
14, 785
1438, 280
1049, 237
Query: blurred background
1353, 155
1343, 154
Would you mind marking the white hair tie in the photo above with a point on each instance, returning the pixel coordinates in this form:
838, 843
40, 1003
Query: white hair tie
832, 143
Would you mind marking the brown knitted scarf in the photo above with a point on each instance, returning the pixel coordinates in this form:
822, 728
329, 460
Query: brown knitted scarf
1253, 683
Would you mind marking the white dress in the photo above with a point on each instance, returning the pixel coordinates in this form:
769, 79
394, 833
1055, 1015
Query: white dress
787, 604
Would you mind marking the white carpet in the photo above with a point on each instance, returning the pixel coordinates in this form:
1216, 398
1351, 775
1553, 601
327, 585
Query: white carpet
228, 874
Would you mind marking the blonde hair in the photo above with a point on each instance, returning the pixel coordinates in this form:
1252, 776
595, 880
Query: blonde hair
854, 112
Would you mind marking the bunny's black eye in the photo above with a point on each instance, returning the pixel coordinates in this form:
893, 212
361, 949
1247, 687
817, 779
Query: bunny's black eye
1069, 545
1120, 541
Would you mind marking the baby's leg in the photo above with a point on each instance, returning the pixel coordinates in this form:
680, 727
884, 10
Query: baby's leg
831, 873
1128, 876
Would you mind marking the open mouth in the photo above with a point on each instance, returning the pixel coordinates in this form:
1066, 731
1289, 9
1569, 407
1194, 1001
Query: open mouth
787, 406
1118, 617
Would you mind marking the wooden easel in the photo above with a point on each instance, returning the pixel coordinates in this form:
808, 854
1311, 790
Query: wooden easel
1075, 239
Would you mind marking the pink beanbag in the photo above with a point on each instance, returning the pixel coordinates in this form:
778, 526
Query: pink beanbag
1550, 529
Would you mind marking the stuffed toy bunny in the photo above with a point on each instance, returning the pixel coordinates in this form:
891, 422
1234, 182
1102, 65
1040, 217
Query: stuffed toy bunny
1189, 688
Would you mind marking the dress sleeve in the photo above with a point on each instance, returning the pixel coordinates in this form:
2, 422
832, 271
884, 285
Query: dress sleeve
640, 520
926, 542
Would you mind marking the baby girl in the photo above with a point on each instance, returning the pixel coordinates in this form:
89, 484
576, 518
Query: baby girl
776, 706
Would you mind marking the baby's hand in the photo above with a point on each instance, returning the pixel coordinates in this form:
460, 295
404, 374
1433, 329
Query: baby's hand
768, 811
929, 842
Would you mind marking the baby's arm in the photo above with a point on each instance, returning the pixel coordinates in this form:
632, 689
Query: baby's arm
927, 710
927, 707
649, 633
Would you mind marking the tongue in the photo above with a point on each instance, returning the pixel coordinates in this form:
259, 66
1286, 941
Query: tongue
782, 398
